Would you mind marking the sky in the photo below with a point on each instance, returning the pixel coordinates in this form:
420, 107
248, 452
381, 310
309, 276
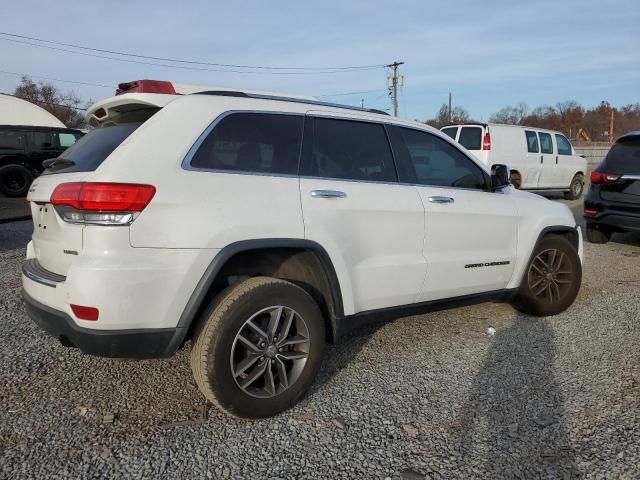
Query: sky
488, 54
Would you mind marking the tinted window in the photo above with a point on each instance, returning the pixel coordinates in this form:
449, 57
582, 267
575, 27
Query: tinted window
546, 143
532, 142
351, 150
66, 139
451, 131
92, 149
623, 158
564, 147
471, 138
436, 162
11, 140
253, 142
42, 140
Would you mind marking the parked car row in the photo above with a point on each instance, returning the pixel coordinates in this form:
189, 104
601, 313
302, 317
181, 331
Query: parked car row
262, 227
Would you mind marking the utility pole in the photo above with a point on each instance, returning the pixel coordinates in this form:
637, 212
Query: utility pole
393, 83
449, 107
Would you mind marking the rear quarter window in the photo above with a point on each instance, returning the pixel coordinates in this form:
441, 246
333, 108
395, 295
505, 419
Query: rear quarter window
252, 142
623, 158
92, 149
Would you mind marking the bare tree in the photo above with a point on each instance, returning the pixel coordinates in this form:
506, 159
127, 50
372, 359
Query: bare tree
512, 115
66, 106
458, 115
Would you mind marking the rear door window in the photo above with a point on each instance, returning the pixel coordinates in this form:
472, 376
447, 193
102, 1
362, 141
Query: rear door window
623, 158
471, 138
253, 142
532, 142
546, 143
11, 140
564, 146
353, 150
91, 150
451, 131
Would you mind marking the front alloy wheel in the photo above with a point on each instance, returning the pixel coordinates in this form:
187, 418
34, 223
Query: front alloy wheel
552, 279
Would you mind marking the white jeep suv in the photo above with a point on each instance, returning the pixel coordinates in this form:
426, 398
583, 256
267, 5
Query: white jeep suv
260, 227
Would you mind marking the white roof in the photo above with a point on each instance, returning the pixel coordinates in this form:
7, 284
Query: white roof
15, 111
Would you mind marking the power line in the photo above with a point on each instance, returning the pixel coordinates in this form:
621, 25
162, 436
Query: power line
57, 79
290, 70
352, 93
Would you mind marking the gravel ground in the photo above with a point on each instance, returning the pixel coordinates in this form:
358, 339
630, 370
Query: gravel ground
421, 397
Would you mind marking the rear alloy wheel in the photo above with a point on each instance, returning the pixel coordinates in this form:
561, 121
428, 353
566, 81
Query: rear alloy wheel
552, 279
597, 234
575, 188
260, 347
15, 180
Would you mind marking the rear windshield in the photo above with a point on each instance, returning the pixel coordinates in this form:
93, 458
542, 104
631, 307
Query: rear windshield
92, 149
470, 138
623, 158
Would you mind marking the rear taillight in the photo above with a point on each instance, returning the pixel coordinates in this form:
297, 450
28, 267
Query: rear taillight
599, 177
146, 86
101, 203
590, 212
486, 142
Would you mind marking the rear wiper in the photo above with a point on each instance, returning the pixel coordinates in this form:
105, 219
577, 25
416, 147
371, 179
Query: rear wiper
57, 162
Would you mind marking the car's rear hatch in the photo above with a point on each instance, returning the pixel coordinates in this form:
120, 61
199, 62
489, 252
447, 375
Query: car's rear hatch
56, 242
622, 166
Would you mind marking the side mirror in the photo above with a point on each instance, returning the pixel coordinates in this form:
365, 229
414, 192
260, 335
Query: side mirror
583, 155
500, 176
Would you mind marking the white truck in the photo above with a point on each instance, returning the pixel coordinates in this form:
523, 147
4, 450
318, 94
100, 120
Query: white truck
539, 159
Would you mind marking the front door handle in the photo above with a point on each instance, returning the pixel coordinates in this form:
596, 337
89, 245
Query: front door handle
327, 194
556, 159
439, 199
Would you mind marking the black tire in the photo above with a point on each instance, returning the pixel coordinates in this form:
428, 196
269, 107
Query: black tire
597, 234
576, 187
225, 318
516, 179
527, 301
15, 180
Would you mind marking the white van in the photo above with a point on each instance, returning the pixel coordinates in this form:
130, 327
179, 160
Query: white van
539, 159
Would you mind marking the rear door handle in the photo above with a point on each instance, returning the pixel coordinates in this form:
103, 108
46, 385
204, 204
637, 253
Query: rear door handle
439, 199
327, 194
541, 157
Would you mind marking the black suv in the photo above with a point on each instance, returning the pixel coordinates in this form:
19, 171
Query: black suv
613, 202
22, 151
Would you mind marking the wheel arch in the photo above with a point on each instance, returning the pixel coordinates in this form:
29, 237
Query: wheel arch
570, 233
300, 261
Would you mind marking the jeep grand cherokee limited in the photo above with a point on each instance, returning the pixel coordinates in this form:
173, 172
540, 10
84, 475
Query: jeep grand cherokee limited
261, 227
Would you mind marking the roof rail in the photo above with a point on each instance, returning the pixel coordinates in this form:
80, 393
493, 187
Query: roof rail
226, 93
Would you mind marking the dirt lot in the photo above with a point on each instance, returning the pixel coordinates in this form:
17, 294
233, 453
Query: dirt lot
421, 397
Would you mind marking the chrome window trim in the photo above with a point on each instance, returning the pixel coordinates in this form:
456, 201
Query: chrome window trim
186, 161
630, 177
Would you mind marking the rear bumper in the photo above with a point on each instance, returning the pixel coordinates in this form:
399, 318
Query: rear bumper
141, 343
611, 215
